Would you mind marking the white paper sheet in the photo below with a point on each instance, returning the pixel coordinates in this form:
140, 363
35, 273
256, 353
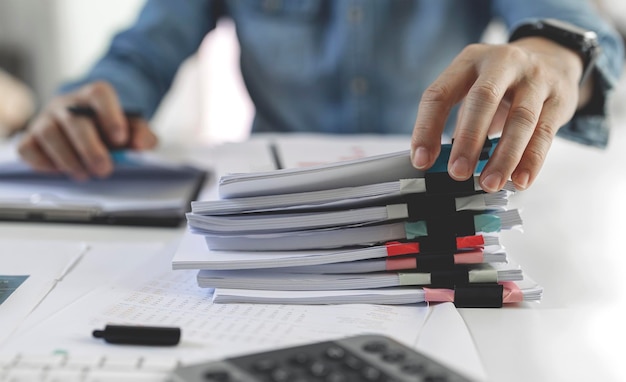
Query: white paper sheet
156, 295
456, 348
194, 254
303, 150
102, 264
45, 263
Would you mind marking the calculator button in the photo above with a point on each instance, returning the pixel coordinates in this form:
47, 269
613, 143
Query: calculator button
300, 359
280, 375
335, 352
264, 364
375, 347
413, 368
435, 378
217, 376
371, 374
336, 376
394, 356
353, 363
319, 369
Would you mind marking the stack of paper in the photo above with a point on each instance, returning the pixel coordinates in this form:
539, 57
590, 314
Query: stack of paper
368, 230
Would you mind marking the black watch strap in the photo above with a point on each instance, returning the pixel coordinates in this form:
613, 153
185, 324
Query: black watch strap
583, 41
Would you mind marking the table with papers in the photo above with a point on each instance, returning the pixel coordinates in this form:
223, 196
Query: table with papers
570, 244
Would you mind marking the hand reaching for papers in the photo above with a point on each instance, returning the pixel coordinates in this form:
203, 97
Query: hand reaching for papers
526, 90
61, 141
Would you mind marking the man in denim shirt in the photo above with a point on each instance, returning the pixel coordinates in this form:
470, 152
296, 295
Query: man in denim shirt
355, 66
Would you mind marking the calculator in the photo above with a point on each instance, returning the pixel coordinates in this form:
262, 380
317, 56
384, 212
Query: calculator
367, 357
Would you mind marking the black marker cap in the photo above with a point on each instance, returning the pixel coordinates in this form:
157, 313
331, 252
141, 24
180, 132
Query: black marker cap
139, 335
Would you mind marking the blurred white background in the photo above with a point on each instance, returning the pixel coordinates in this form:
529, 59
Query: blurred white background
58, 40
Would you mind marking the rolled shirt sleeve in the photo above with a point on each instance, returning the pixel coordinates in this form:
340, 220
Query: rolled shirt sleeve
589, 125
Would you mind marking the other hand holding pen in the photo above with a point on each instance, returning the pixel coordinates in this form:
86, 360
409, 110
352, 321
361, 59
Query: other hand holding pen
62, 140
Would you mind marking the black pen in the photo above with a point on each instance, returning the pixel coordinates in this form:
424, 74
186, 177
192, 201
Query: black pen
139, 335
89, 112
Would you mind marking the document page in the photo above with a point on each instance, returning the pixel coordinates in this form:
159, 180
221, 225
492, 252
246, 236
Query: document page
303, 150
155, 295
25, 285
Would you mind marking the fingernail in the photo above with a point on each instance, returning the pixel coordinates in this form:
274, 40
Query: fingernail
119, 137
153, 141
421, 158
521, 180
79, 176
460, 169
491, 183
101, 166
146, 143
119, 134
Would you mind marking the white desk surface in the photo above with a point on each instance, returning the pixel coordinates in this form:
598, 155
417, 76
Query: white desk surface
571, 245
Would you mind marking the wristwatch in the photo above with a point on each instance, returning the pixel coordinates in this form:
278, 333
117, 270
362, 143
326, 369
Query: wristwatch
583, 41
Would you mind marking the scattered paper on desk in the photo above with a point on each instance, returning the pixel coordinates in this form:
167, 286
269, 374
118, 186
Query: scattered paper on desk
156, 295
9, 284
52, 261
456, 348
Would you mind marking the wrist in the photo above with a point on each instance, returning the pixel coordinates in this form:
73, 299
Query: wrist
584, 42
570, 61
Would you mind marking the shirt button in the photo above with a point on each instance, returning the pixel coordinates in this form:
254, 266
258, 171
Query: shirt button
355, 14
359, 85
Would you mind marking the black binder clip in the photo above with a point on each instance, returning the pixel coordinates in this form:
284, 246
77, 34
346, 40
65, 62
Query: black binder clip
460, 223
435, 262
438, 244
441, 183
424, 207
488, 295
450, 278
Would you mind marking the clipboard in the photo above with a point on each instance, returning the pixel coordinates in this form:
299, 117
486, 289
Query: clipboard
138, 193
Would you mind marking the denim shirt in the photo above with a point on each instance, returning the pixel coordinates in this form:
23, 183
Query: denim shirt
341, 66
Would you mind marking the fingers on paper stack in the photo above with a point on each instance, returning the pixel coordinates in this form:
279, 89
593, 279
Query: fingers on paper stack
371, 230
